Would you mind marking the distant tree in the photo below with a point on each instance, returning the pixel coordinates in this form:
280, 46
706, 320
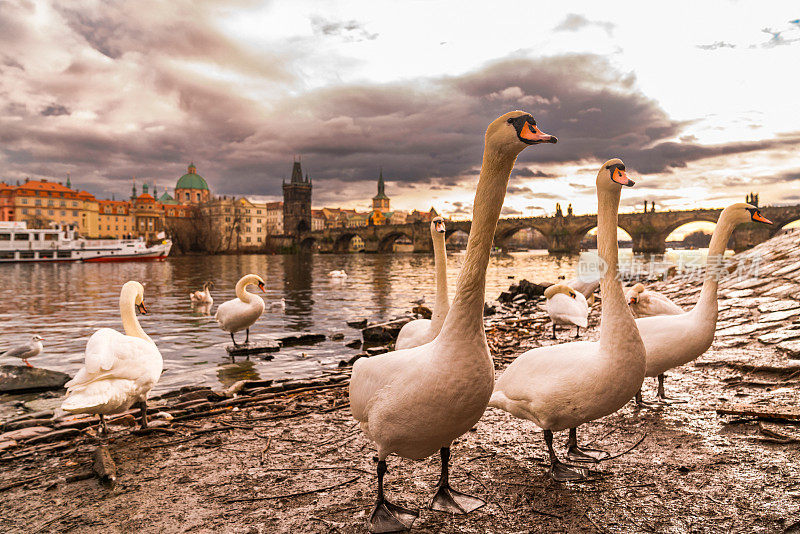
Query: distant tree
697, 239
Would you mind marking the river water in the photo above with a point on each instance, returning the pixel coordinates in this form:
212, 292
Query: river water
65, 303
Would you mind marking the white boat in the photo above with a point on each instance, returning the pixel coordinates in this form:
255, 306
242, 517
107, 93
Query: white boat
18, 243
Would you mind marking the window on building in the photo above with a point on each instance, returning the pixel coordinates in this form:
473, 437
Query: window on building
188, 197
24, 211
63, 213
38, 202
74, 213
51, 212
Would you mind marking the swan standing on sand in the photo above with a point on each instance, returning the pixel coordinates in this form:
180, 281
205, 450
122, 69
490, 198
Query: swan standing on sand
416, 401
563, 386
29, 350
646, 303
566, 306
421, 331
119, 370
674, 340
202, 298
243, 311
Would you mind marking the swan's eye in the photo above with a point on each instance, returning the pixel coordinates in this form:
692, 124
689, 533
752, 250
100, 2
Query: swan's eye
510, 120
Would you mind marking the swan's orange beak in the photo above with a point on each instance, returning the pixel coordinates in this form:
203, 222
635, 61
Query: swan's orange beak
621, 177
760, 218
141, 309
531, 134
632, 301
261, 287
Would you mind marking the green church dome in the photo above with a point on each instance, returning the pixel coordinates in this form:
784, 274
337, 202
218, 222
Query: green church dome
191, 180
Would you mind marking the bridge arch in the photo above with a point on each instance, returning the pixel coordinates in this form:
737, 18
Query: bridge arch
588, 238
539, 238
707, 227
387, 242
343, 241
792, 223
309, 244
693, 218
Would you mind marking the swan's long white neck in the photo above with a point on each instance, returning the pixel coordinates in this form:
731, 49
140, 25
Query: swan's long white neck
465, 318
617, 326
707, 303
241, 289
442, 304
130, 323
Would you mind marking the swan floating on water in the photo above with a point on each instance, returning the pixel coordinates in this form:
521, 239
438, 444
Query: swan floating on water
421, 331
202, 297
675, 340
416, 401
566, 307
337, 274
28, 350
278, 305
119, 370
561, 387
647, 303
242, 312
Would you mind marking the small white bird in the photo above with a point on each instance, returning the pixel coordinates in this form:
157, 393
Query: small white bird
29, 350
243, 311
337, 274
278, 305
202, 297
566, 307
119, 370
646, 303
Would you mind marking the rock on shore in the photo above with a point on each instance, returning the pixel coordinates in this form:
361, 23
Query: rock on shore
19, 378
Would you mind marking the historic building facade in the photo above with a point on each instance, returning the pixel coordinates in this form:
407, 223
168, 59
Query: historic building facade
297, 203
192, 188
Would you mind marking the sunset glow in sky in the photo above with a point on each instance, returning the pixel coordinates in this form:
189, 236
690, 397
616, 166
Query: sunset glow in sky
698, 98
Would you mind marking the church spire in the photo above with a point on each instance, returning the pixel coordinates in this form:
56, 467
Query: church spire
297, 173
133, 189
69, 184
380, 184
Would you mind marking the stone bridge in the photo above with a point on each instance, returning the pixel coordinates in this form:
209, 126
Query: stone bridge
563, 233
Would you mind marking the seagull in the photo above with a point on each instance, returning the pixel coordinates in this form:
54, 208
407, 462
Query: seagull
26, 351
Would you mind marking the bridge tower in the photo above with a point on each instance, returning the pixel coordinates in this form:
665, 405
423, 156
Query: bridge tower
297, 203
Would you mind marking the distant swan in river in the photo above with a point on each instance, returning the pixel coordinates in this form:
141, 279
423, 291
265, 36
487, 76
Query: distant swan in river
421, 331
337, 274
417, 401
202, 297
243, 311
119, 370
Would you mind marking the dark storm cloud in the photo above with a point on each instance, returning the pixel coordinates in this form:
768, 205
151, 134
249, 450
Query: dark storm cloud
508, 211
139, 106
54, 110
349, 30
574, 22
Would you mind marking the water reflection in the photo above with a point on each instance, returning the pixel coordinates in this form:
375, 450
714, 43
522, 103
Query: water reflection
66, 303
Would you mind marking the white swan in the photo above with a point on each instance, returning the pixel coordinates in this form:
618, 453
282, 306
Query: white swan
278, 305
563, 386
674, 340
646, 303
119, 370
29, 350
337, 274
243, 311
416, 401
586, 288
566, 307
421, 331
203, 297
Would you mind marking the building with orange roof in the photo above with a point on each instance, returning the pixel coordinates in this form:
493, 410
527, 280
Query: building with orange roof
115, 219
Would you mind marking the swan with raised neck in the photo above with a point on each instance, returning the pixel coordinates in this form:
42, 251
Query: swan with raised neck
563, 386
416, 401
421, 331
119, 369
674, 340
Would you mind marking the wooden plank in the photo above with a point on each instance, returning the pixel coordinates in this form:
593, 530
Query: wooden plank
749, 410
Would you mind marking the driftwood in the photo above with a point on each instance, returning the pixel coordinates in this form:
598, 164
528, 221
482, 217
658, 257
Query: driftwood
104, 467
748, 410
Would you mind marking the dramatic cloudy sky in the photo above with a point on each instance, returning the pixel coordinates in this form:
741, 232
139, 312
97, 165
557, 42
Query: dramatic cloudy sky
699, 98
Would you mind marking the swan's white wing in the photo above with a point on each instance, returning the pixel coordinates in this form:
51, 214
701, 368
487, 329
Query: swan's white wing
235, 315
414, 334
673, 340
663, 304
564, 309
370, 376
583, 287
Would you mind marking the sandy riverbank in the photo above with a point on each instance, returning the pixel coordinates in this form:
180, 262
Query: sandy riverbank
293, 460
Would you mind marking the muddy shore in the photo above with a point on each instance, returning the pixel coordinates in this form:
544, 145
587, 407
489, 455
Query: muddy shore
270, 457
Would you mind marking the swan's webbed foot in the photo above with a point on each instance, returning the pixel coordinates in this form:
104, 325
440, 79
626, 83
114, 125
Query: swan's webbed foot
586, 455
662, 396
561, 472
449, 500
388, 517
641, 403
577, 332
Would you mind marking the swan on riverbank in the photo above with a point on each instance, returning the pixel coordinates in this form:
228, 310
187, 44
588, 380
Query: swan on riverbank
28, 350
242, 312
564, 386
119, 370
565, 306
647, 303
421, 331
675, 340
416, 401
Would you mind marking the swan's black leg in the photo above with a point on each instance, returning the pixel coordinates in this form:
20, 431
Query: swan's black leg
559, 471
641, 402
247, 337
234, 340
579, 454
554, 331
662, 397
388, 517
103, 426
143, 415
446, 498
577, 331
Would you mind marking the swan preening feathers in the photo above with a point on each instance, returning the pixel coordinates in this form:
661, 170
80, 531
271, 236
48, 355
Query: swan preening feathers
414, 402
202, 298
119, 369
560, 387
243, 311
421, 331
565, 306
674, 340
646, 303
